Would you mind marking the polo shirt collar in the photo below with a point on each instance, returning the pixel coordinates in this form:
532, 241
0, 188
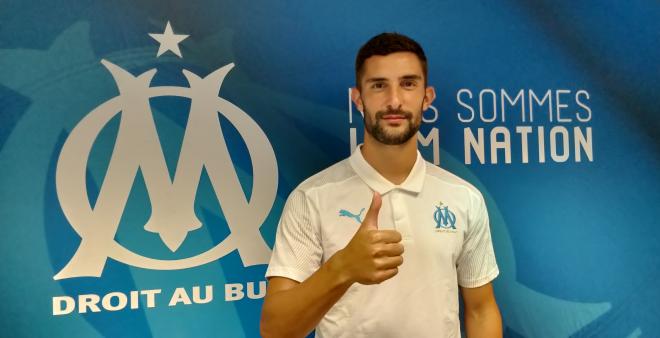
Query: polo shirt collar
377, 182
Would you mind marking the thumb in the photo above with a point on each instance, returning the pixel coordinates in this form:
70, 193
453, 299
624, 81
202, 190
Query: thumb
371, 218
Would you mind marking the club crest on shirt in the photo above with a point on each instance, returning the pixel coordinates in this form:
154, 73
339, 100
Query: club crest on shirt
445, 219
357, 217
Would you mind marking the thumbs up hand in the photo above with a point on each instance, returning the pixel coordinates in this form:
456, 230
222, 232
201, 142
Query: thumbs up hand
372, 256
371, 218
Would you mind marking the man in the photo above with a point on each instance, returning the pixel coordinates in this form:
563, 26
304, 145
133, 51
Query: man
339, 263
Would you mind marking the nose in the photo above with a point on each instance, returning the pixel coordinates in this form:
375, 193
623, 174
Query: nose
394, 98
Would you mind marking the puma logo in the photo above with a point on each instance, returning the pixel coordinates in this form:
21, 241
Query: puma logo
346, 213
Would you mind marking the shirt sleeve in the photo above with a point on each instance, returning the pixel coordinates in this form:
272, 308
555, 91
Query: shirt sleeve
476, 264
297, 252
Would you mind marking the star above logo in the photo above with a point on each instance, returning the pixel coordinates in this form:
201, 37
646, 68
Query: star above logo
168, 41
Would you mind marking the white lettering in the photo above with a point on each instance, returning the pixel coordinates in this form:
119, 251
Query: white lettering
262, 290
468, 107
151, 297
500, 144
506, 98
583, 105
88, 301
135, 300
432, 137
584, 144
561, 106
540, 136
436, 114
234, 292
524, 131
353, 137
481, 105
68, 302
504, 144
553, 144
122, 300
180, 296
533, 98
197, 298
477, 145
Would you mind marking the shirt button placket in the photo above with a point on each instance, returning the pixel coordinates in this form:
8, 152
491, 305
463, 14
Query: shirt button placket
400, 215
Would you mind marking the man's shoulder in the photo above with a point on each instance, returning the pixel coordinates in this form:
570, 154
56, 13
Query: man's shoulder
446, 177
338, 172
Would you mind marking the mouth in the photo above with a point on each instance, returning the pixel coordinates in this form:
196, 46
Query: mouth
393, 117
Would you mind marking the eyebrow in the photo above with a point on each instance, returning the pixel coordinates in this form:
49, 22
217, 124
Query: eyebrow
405, 77
411, 77
376, 79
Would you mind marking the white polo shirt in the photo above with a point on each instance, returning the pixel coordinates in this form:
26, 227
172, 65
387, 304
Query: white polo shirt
446, 236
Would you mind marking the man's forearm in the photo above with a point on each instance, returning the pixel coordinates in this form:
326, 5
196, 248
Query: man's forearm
485, 322
297, 311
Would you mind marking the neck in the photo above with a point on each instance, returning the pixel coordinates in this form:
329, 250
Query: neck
392, 162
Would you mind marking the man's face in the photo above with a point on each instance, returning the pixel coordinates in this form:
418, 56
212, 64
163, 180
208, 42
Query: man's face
392, 97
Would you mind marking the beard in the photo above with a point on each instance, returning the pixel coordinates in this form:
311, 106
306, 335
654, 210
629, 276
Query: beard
375, 128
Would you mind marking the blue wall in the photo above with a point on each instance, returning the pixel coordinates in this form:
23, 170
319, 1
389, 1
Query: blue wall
573, 213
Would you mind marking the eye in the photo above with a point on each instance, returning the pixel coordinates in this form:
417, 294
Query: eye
378, 85
409, 84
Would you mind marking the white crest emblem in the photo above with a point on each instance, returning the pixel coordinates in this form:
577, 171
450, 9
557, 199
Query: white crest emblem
172, 200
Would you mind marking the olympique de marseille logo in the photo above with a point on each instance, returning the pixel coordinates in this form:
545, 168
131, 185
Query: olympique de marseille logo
172, 200
444, 218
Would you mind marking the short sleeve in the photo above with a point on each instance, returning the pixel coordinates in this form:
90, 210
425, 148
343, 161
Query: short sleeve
476, 264
297, 252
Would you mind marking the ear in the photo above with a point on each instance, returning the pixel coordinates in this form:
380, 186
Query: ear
356, 97
429, 96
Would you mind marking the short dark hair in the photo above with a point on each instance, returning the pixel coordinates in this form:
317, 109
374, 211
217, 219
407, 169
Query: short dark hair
385, 44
